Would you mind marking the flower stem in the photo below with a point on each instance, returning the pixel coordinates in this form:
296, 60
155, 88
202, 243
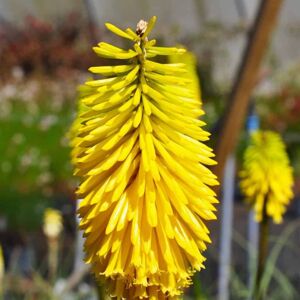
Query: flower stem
262, 251
52, 258
100, 291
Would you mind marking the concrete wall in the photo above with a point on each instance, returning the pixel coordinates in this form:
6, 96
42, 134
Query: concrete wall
178, 20
16, 10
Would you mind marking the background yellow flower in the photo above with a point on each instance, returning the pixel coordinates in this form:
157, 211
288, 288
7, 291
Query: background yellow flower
267, 177
52, 223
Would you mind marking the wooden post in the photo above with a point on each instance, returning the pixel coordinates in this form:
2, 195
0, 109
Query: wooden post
245, 81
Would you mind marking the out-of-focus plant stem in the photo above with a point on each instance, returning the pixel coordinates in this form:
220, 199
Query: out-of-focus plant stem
198, 290
1, 289
100, 291
262, 252
1, 274
53, 246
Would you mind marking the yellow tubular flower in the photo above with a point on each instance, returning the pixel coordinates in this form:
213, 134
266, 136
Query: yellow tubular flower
190, 61
72, 133
267, 175
144, 183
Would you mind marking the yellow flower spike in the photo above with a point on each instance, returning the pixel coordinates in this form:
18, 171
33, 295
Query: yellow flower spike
139, 152
267, 175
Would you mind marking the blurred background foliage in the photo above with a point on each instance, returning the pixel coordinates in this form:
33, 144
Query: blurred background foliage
34, 150
42, 65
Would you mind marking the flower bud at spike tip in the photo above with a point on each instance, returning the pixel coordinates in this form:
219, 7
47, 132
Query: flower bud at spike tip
141, 27
145, 185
